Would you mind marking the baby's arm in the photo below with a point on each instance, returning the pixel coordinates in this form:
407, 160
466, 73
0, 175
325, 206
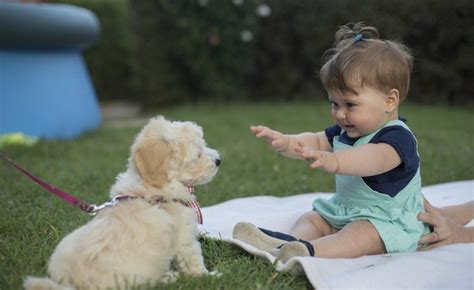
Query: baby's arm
291, 145
316, 141
366, 160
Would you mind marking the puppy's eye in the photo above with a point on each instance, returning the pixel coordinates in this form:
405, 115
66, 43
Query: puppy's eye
199, 153
197, 150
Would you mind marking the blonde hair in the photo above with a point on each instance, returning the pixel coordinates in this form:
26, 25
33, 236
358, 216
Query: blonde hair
361, 58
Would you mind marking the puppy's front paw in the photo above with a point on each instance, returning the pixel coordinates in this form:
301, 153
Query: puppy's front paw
214, 273
169, 277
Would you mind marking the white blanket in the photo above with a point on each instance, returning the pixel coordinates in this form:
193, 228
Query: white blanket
449, 267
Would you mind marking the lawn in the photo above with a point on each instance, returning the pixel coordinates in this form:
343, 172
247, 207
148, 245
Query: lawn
32, 221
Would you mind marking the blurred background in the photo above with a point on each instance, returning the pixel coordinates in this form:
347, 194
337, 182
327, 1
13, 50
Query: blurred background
225, 64
166, 52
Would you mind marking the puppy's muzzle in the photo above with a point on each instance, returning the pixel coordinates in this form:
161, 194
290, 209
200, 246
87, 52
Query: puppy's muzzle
214, 155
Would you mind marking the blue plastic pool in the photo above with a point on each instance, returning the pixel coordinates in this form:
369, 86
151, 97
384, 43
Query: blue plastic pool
45, 87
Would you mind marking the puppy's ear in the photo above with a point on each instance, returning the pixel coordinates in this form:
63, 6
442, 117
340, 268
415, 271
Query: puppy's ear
151, 160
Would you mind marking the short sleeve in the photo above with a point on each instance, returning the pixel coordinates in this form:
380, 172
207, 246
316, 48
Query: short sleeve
332, 131
403, 141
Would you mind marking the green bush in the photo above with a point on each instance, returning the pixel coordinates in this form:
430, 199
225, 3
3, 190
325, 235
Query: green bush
170, 51
440, 33
109, 60
194, 49
177, 59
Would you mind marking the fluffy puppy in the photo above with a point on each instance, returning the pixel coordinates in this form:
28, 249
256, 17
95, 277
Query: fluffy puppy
134, 241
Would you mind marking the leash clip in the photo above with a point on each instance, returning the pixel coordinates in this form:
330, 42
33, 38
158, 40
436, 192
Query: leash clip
97, 208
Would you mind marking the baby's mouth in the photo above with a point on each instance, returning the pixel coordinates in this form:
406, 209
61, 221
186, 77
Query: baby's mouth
348, 127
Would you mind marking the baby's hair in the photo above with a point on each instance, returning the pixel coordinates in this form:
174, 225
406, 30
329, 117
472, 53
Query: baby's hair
361, 58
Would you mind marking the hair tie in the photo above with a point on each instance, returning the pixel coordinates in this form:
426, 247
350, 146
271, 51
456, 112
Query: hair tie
358, 37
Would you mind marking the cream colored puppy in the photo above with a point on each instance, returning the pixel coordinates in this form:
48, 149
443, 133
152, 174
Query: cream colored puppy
134, 241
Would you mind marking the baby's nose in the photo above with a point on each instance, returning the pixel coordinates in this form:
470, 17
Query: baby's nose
341, 114
218, 162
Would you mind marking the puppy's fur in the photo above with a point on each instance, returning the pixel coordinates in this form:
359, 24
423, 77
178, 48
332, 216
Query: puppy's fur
134, 242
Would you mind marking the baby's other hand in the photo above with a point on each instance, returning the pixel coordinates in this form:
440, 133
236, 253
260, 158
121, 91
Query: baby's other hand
275, 139
323, 159
301, 148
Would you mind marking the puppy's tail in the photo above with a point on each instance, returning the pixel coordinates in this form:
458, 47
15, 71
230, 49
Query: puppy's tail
35, 283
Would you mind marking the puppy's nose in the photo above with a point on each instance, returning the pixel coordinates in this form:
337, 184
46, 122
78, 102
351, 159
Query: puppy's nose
218, 162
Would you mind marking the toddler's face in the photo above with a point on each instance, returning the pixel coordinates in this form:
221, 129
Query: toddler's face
359, 114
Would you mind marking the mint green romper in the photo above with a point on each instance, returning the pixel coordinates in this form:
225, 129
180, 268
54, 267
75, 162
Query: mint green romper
393, 217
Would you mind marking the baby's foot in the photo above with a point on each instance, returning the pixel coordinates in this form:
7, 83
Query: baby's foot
290, 250
254, 236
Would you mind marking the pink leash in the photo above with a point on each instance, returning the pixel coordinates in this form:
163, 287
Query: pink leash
89, 208
59, 193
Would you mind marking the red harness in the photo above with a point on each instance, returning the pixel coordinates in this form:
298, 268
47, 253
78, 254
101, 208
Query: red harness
92, 209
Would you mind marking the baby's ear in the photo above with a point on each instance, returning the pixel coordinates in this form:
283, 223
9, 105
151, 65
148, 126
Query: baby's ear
392, 100
151, 160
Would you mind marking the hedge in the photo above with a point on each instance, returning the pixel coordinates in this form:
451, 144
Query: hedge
110, 59
440, 33
194, 49
170, 51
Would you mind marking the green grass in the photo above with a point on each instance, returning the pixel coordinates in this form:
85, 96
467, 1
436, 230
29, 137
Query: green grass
32, 221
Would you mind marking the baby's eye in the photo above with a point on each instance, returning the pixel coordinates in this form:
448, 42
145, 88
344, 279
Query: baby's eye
350, 105
334, 105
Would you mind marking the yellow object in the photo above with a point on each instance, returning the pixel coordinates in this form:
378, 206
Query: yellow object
17, 139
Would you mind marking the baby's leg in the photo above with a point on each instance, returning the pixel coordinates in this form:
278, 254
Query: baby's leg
356, 239
311, 226
308, 227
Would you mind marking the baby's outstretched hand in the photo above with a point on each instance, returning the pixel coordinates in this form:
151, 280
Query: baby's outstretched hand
318, 159
275, 139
